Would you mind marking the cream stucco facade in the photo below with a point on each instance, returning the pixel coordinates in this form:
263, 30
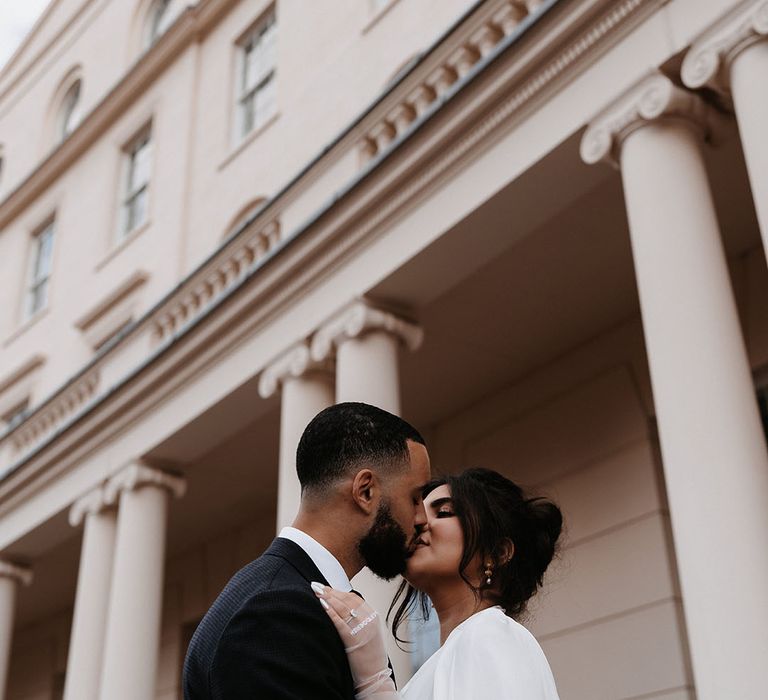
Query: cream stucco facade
536, 229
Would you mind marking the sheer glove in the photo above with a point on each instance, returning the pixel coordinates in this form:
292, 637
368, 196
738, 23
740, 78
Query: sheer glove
362, 632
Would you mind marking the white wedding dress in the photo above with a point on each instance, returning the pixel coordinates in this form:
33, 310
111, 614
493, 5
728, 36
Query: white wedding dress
488, 656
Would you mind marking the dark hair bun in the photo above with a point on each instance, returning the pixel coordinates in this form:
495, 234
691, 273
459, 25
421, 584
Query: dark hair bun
545, 523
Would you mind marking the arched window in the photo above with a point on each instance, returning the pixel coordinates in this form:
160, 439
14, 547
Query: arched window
159, 19
70, 113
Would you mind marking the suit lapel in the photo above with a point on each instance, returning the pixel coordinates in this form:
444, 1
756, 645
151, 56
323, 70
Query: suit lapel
297, 558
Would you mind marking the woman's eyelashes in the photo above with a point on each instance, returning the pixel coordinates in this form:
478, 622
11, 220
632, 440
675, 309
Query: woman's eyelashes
444, 513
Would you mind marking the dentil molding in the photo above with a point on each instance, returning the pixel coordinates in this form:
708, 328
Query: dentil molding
293, 363
136, 475
708, 62
15, 572
357, 319
652, 98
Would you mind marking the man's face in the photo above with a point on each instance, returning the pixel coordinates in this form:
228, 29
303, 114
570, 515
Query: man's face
389, 542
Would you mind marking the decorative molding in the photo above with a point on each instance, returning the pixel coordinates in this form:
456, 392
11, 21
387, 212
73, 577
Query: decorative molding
652, 98
136, 475
216, 278
52, 414
91, 503
707, 63
357, 319
22, 371
15, 572
293, 363
421, 95
125, 289
369, 203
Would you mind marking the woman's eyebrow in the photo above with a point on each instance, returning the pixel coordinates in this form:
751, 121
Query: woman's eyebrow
440, 502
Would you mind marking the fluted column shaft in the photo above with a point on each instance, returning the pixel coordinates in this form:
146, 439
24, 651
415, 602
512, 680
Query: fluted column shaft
307, 388
367, 342
133, 627
715, 461
732, 58
11, 576
86, 645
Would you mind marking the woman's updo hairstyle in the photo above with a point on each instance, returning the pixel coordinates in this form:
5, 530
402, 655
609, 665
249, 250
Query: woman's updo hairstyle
494, 513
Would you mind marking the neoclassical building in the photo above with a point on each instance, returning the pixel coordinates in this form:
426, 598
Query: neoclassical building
535, 229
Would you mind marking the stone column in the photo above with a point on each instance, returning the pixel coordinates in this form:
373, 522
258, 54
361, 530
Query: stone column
367, 341
86, 645
307, 388
135, 605
11, 575
714, 453
732, 59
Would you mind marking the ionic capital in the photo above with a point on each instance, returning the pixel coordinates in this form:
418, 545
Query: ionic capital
89, 504
653, 98
708, 61
15, 572
137, 475
356, 320
293, 363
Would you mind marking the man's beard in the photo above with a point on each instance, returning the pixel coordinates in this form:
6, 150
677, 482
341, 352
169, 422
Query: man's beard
384, 548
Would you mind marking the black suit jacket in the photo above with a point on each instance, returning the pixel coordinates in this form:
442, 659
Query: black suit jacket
266, 636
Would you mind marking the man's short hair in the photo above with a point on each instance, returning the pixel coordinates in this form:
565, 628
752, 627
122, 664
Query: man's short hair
350, 436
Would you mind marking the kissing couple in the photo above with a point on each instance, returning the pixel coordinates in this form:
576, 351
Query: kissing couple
288, 625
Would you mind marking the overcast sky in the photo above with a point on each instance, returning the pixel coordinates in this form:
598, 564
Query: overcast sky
16, 19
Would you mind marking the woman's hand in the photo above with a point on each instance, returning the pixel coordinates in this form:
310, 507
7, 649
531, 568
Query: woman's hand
362, 634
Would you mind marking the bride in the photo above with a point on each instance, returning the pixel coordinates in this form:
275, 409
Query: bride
479, 558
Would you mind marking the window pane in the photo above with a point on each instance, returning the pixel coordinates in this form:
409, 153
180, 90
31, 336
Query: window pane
70, 110
42, 266
266, 102
38, 297
159, 20
140, 166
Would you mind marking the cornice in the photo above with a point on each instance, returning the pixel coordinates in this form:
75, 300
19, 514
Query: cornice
293, 363
15, 572
707, 63
357, 319
653, 98
486, 104
48, 418
136, 475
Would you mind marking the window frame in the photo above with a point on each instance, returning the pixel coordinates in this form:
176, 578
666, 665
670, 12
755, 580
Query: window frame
70, 110
249, 118
130, 192
35, 280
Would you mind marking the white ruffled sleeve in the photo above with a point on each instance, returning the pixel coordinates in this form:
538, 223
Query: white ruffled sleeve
493, 657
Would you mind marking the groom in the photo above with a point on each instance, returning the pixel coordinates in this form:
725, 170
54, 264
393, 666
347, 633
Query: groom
266, 637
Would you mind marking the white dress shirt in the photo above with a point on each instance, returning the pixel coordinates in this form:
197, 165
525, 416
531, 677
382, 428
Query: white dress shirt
327, 564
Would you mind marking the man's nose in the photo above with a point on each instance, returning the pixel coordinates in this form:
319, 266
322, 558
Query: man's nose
420, 519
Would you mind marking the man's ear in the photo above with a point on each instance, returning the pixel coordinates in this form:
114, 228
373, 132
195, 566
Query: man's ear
365, 491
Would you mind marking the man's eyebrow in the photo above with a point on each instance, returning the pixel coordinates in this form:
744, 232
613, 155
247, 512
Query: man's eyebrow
440, 502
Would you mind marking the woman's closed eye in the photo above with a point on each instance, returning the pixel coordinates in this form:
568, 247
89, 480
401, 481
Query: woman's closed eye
444, 513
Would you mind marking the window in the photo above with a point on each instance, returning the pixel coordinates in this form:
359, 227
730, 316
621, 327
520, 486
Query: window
135, 206
16, 415
40, 272
258, 59
159, 19
70, 114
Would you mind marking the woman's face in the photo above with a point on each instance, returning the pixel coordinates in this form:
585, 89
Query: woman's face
440, 545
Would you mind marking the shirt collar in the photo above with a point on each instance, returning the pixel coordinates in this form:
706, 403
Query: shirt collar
325, 561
